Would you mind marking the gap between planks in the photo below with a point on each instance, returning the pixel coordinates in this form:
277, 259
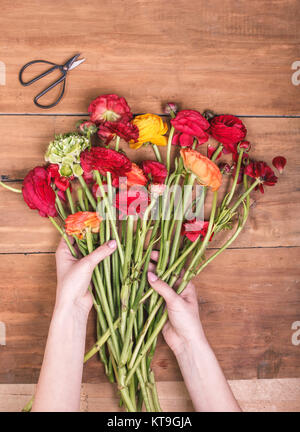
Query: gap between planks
229, 248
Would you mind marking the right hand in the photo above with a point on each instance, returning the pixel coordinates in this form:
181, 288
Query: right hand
184, 325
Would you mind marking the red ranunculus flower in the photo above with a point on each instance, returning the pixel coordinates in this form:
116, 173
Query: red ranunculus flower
262, 171
228, 130
62, 183
38, 193
189, 124
155, 171
110, 108
105, 160
132, 202
195, 228
127, 131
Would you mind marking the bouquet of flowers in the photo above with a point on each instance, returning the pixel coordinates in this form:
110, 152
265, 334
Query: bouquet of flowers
90, 190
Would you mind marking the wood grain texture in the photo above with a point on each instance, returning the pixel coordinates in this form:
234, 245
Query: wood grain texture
200, 54
274, 217
248, 301
277, 395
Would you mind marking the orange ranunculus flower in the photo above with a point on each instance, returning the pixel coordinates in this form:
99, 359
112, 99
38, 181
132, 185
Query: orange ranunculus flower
77, 223
136, 176
207, 172
151, 129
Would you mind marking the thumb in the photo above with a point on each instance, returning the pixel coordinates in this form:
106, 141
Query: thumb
162, 288
99, 254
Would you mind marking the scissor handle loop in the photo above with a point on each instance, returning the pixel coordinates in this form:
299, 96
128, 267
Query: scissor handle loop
35, 100
55, 66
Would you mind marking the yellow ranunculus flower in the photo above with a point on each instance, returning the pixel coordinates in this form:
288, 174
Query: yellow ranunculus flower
151, 129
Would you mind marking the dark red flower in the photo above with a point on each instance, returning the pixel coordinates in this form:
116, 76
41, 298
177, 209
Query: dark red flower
105, 134
110, 108
105, 160
279, 163
225, 168
245, 145
155, 171
133, 201
262, 171
228, 130
189, 124
38, 193
195, 228
62, 183
127, 131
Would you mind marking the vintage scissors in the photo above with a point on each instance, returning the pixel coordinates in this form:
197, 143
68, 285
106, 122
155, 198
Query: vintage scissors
69, 65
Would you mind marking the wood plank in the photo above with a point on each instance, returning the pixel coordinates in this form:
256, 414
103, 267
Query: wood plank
273, 218
277, 395
247, 315
201, 54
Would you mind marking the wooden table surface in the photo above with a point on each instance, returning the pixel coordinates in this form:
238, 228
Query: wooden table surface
232, 57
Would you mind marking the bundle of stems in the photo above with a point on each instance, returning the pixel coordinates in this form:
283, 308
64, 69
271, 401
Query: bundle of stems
130, 314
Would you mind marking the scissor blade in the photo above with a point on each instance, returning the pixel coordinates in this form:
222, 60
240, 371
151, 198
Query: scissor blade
76, 63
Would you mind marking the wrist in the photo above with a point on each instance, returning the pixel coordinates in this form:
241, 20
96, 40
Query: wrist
195, 342
65, 312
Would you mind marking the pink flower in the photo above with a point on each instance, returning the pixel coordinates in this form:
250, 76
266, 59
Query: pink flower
189, 124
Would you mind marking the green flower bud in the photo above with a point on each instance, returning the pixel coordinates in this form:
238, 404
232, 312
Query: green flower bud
65, 151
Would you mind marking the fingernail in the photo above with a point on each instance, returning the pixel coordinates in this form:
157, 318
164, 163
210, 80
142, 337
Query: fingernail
112, 244
152, 277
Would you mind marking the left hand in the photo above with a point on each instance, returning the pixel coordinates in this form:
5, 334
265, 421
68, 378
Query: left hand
74, 276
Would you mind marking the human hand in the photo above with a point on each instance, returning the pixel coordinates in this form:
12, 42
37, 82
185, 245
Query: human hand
183, 326
74, 276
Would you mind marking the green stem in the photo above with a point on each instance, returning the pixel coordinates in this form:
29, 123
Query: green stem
110, 215
103, 298
236, 177
157, 153
60, 207
70, 200
100, 342
244, 195
64, 235
80, 199
217, 152
171, 134
117, 143
87, 192
10, 188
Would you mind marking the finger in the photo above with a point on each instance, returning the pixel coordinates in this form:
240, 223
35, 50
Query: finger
189, 293
99, 254
162, 288
63, 251
154, 255
151, 267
